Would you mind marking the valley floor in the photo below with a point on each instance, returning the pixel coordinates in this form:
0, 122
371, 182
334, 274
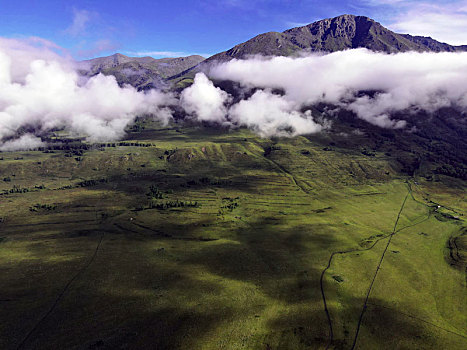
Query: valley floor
181, 238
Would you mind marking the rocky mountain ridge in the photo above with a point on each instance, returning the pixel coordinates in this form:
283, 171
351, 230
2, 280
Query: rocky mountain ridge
327, 35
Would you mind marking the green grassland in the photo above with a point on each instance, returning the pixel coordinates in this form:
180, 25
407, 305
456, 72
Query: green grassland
216, 239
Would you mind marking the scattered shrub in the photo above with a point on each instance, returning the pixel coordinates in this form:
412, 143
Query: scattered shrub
338, 278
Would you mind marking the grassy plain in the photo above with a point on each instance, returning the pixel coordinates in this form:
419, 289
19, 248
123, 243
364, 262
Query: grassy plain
233, 257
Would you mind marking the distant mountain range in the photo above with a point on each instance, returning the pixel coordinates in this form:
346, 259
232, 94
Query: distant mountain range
328, 35
141, 72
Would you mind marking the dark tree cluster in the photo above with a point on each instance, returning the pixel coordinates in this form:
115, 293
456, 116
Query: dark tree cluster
153, 204
207, 181
88, 183
16, 189
37, 207
155, 193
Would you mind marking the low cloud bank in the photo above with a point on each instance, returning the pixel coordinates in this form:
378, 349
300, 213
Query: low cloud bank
271, 115
24, 142
41, 90
402, 82
265, 113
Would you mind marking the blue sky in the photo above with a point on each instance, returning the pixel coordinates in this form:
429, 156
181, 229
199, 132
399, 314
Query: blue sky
180, 27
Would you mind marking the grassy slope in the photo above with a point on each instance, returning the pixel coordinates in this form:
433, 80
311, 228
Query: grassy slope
221, 276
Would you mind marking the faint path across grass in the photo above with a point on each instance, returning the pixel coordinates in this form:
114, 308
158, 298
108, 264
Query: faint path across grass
281, 169
365, 304
62, 293
354, 250
419, 319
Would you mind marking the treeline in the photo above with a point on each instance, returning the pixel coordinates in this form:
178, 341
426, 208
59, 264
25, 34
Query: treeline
172, 204
154, 204
207, 181
16, 189
73, 146
84, 183
37, 207
89, 183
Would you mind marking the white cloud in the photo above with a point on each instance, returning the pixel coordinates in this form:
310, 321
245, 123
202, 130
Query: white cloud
205, 101
158, 53
443, 21
271, 115
404, 82
434, 21
265, 113
97, 47
81, 19
42, 90
24, 143
292, 24
385, 2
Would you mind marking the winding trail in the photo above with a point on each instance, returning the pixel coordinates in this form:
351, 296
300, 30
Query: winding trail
62, 293
355, 250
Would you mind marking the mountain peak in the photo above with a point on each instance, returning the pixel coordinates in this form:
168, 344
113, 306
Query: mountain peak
345, 17
333, 34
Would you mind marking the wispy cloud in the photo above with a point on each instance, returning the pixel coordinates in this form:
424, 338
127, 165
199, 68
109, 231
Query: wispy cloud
81, 19
444, 21
92, 34
386, 2
292, 24
171, 54
447, 22
98, 47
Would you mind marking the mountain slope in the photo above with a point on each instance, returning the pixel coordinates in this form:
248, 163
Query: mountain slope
334, 34
141, 72
328, 35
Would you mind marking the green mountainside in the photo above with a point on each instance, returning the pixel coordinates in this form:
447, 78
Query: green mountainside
141, 72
